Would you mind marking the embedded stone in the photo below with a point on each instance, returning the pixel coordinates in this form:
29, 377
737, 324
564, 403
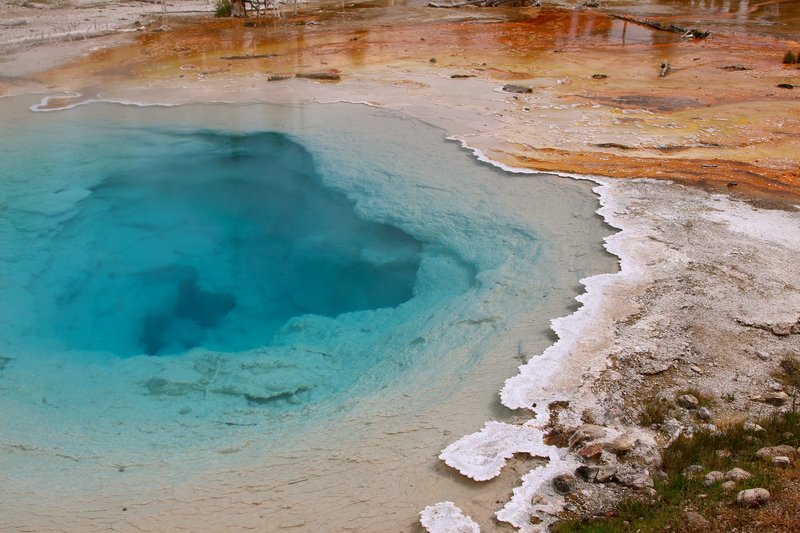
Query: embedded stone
520, 89
590, 451
712, 478
774, 398
633, 478
586, 432
781, 461
704, 413
728, 485
768, 452
693, 469
605, 474
695, 522
623, 443
563, 484
737, 474
753, 497
687, 401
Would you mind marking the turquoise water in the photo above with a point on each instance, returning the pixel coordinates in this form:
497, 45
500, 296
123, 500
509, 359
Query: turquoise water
215, 241
206, 305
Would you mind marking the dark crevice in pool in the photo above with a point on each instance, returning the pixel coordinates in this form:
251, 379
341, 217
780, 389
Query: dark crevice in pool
199, 308
216, 245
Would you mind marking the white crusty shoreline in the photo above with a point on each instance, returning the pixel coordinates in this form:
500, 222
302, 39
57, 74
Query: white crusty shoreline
570, 369
482, 455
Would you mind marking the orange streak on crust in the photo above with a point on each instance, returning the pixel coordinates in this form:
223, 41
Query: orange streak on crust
714, 173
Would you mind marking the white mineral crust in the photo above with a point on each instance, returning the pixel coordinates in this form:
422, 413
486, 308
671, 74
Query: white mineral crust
445, 517
482, 455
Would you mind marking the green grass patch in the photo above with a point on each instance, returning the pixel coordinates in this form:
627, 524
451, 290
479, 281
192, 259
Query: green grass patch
678, 491
222, 8
655, 413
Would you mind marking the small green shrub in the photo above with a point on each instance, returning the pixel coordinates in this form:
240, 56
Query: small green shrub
729, 398
789, 58
655, 412
790, 371
222, 8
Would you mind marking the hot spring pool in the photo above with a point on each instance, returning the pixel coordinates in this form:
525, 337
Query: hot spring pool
276, 314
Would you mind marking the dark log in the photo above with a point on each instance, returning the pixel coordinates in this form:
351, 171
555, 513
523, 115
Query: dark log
323, 75
674, 28
487, 3
254, 56
519, 89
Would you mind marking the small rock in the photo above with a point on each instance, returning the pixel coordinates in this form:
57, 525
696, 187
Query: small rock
710, 428
777, 387
724, 454
728, 485
586, 432
564, 483
776, 398
605, 474
704, 413
764, 356
693, 469
782, 329
599, 76
571, 508
432, 60
753, 428
634, 477
623, 443
696, 369
596, 474
781, 461
753, 497
586, 473
521, 89
278, 77
694, 522
768, 452
737, 474
687, 401
590, 451
712, 478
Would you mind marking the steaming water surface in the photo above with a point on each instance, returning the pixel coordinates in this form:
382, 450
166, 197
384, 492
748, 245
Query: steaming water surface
261, 315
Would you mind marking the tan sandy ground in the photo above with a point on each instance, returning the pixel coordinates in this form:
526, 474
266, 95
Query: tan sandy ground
709, 264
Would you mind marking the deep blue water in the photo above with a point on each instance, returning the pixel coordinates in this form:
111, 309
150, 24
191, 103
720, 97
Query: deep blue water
215, 246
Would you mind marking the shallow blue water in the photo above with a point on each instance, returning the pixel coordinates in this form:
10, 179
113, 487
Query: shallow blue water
216, 245
167, 275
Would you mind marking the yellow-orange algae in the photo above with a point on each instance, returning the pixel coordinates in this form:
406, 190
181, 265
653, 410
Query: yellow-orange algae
717, 117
